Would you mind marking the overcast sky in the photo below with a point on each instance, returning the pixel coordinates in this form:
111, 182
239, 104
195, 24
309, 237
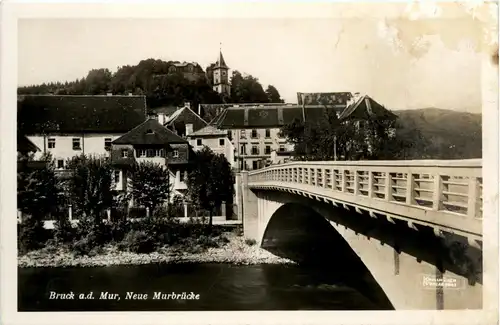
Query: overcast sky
295, 55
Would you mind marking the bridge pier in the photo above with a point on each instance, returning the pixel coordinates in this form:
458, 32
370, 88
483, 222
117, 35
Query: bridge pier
250, 209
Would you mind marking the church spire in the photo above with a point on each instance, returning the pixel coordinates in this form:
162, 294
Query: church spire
220, 61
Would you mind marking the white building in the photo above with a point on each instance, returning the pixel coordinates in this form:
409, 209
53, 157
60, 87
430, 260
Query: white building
217, 140
67, 126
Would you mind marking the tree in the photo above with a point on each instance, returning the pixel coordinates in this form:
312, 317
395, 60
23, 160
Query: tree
38, 196
150, 185
273, 96
98, 81
90, 187
211, 182
247, 89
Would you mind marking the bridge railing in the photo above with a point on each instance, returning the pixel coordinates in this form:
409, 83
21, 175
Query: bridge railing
453, 186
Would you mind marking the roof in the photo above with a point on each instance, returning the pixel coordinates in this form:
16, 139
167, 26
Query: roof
183, 116
150, 132
25, 145
220, 62
80, 113
167, 110
333, 98
269, 117
208, 130
279, 115
365, 107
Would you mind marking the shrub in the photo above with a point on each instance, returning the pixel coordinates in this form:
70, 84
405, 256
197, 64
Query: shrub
137, 212
32, 235
138, 242
84, 245
250, 242
118, 229
63, 231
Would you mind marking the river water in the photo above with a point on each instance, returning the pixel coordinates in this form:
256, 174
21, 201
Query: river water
218, 286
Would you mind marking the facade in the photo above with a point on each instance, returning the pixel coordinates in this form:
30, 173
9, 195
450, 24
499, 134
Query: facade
151, 141
217, 140
221, 77
68, 126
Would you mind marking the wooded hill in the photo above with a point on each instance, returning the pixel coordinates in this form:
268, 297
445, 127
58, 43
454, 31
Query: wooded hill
447, 134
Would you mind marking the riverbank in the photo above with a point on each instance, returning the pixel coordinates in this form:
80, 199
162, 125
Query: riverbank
235, 251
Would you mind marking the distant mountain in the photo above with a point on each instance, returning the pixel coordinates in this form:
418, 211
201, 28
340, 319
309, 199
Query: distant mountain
448, 134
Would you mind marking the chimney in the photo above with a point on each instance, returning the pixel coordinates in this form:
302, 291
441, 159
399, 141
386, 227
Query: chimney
130, 94
189, 129
109, 94
187, 104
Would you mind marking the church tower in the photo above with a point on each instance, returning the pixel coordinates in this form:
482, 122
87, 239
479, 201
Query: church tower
221, 76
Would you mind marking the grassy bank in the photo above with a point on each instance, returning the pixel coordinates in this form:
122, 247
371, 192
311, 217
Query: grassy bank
229, 247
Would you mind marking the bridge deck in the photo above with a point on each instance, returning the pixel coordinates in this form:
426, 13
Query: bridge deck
446, 195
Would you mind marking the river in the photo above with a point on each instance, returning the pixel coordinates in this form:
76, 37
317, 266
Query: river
218, 286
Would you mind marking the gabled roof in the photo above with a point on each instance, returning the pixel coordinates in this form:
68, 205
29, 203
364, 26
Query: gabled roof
81, 113
25, 145
365, 107
150, 132
207, 131
220, 62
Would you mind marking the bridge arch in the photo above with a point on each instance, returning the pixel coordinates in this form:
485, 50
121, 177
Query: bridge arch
395, 256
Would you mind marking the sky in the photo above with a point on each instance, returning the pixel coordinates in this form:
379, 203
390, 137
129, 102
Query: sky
401, 63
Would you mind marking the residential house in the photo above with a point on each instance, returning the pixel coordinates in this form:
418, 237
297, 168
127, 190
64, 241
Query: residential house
68, 126
190, 70
217, 140
151, 141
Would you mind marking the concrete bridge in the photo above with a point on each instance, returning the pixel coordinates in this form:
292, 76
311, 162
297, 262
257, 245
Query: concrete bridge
411, 224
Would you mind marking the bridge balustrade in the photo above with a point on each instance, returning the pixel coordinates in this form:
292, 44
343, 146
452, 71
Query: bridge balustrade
451, 187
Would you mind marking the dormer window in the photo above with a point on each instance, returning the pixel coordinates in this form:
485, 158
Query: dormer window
149, 131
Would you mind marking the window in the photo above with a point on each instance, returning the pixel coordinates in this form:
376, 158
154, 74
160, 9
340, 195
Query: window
268, 150
243, 149
255, 165
52, 143
254, 133
158, 152
149, 131
117, 176
60, 163
223, 73
175, 154
76, 144
141, 153
124, 153
150, 153
221, 142
255, 150
243, 134
268, 133
282, 147
199, 142
107, 143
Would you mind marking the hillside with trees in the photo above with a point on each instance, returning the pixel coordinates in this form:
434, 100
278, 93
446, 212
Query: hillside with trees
152, 78
448, 134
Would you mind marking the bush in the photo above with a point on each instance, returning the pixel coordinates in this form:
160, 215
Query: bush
137, 212
250, 242
118, 229
63, 231
32, 235
138, 242
84, 245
